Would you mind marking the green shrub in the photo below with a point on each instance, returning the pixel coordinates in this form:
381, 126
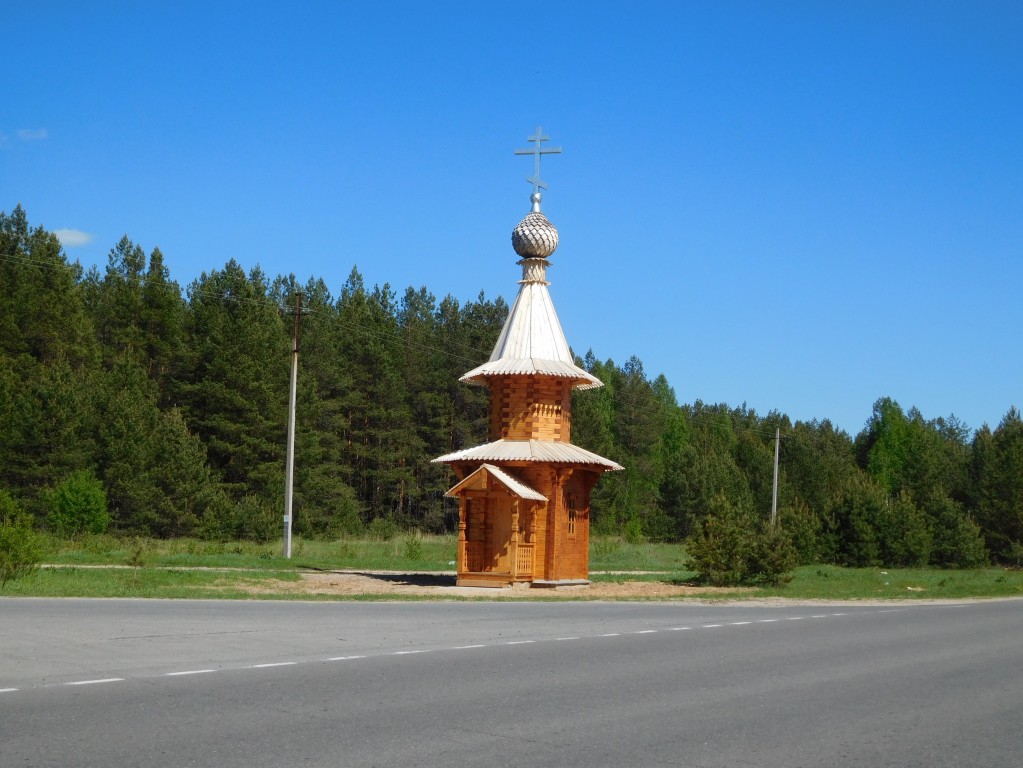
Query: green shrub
413, 548
78, 505
804, 530
732, 546
382, 528
958, 542
20, 549
904, 537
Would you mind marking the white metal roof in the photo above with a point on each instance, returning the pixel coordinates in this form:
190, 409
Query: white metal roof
514, 486
547, 451
532, 341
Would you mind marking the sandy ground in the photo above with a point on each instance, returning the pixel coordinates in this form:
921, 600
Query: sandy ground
443, 585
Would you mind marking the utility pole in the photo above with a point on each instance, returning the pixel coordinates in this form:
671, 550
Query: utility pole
289, 482
774, 492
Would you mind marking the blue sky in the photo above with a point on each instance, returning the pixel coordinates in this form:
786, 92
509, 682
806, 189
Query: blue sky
803, 206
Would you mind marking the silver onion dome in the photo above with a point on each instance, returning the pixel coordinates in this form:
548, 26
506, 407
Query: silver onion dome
535, 237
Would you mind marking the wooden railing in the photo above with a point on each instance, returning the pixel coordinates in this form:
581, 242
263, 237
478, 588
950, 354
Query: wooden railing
524, 560
473, 556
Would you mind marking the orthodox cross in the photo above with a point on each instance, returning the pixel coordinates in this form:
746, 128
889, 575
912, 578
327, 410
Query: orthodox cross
537, 152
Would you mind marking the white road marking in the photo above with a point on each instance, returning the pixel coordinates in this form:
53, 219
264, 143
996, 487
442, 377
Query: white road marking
462, 647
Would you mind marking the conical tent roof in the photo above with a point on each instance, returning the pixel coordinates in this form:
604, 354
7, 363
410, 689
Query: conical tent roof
532, 341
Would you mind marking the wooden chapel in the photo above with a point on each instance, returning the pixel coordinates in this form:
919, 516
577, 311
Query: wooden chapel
524, 496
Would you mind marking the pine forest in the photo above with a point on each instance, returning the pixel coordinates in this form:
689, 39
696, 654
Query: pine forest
171, 406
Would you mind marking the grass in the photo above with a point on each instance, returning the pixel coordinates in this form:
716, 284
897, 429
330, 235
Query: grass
403, 552
140, 582
245, 570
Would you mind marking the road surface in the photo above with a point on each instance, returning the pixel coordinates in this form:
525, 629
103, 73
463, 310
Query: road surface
111, 683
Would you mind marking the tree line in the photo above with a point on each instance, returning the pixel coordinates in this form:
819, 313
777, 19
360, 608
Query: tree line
172, 404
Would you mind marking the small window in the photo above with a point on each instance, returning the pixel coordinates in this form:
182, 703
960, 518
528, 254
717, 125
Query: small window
571, 515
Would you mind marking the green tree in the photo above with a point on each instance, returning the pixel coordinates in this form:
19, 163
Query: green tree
733, 545
998, 469
78, 505
234, 387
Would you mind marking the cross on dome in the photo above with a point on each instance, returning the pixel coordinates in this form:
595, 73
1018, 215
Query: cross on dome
537, 152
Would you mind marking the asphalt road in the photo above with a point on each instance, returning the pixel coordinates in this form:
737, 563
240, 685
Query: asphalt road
178, 683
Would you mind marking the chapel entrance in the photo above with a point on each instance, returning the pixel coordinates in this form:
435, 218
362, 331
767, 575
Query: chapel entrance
496, 528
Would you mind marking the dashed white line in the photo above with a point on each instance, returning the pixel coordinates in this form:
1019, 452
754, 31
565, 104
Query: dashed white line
465, 647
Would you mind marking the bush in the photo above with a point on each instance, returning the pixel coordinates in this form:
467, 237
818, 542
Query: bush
255, 520
413, 548
382, 528
904, 536
20, 551
804, 530
78, 505
958, 542
732, 547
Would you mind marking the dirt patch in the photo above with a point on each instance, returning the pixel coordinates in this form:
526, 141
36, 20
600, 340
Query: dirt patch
439, 585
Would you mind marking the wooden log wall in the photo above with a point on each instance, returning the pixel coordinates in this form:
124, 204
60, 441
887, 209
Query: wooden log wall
531, 408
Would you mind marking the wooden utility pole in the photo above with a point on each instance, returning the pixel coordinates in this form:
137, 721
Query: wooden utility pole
774, 492
289, 481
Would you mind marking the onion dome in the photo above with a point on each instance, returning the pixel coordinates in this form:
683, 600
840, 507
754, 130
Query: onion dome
535, 237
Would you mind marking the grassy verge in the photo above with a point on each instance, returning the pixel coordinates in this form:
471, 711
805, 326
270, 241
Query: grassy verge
142, 582
173, 569
830, 582
412, 552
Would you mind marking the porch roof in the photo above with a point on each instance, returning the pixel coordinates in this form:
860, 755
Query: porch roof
511, 484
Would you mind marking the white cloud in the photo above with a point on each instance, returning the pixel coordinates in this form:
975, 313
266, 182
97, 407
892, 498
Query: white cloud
32, 134
71, 238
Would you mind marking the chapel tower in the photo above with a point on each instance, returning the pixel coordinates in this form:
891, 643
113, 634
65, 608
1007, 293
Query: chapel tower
524, 496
